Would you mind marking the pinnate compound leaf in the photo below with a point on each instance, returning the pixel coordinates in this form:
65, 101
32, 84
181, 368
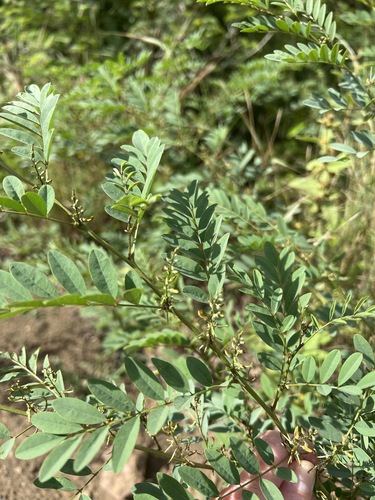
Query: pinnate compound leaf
199, 481
90, 448
172, 375
37, 445
124, 443
78, 411
244, 456
270, 490
57, 458
156, 419
66, 272
33, 280
172, 487
110, 395
48, 194
103, 273
144, 379
12, 289
329, 365
34, 204
13, 187
51, 422
223, 466
349, 367
199, 371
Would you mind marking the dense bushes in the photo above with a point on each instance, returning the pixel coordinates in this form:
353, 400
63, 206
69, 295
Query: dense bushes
225, 239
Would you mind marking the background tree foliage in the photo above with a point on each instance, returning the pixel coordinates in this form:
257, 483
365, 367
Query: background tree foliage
267, 166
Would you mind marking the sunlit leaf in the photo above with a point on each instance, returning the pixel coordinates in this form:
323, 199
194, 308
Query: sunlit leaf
57, 458
90, 448
124, 443
349, 367
78, 411
330, 364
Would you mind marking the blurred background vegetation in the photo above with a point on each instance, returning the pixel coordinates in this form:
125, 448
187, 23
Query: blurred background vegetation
230, 118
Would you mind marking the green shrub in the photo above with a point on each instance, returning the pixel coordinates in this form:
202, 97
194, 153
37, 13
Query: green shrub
210, 272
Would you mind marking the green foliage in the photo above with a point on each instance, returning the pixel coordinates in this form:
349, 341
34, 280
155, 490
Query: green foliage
183, 295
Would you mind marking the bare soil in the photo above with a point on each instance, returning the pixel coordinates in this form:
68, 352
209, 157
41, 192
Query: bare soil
74, 347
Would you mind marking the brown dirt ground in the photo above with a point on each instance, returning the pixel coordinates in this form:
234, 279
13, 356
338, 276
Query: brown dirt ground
74, 347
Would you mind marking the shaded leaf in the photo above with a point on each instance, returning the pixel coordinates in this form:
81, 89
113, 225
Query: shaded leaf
286, 474
199, 371
103, 273
223, 466
172, 487
144, 379
110, 395
264, 450
56, 483
66, 272
33, 280
363, 346
172, 375
195, 293
12, 289
244, 456
199, 481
